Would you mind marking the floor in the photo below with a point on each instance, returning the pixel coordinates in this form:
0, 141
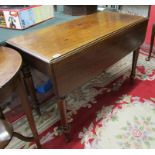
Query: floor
107, 112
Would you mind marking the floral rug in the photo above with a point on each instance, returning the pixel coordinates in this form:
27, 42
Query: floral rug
108, 112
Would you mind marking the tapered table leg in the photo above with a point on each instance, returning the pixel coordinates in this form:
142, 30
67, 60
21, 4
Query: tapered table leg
134, 63
63, 117
1, 114
28, 111
30, 86
152, 41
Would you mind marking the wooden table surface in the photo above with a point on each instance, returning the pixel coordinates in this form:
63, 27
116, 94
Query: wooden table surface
10, 63
56, 41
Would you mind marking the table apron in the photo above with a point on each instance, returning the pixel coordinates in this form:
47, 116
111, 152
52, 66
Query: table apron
73, 71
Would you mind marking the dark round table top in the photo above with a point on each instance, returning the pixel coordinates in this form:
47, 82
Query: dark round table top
10, 63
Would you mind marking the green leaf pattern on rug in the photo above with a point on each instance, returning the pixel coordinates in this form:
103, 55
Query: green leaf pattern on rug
137, 132
131, 126
114, 118
124, 99
147, 74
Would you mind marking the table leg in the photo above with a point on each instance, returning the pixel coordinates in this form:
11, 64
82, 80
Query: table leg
152, 41
134, 63
28, 111
1, 114
63, 117
30, 86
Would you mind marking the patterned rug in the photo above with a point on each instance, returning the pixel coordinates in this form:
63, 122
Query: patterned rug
107, 112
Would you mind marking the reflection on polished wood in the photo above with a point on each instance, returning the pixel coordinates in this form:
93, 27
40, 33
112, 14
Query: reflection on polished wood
8, 70
63, 38
74, 52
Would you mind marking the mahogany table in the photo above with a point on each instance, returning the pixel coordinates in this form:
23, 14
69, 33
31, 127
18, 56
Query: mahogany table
74, 52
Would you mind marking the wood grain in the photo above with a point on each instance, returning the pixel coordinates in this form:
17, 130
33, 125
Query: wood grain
66, 37
86, 63
10, 63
